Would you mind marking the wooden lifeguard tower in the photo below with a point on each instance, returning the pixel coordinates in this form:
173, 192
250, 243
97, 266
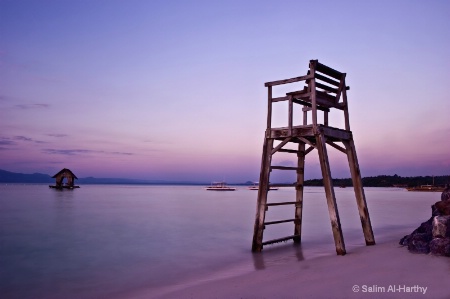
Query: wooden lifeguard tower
64, 174
324, 89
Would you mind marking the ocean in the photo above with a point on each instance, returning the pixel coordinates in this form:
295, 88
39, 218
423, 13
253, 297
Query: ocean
113, 241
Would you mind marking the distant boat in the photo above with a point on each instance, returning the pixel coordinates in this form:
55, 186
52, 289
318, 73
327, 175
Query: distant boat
219, 186
427, 188
255, 186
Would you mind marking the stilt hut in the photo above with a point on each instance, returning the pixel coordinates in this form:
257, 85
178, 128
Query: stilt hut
64, 174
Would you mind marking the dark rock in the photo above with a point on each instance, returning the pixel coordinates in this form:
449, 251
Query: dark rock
432, 235
440, 246
445, 196
441, 227
419, 243
425, 228
443, 207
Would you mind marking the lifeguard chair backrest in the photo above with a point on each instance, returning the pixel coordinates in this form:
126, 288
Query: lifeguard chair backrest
328, 84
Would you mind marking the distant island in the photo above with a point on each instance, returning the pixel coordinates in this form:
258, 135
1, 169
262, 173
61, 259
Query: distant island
388, 181
38, 178
375, 181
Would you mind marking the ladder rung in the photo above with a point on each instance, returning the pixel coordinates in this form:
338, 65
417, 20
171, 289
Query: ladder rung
281, 203
280, 239
288, 151
284, 167
283, 185
279, 221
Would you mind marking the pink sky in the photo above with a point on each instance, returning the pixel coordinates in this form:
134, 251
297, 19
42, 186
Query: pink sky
175, 91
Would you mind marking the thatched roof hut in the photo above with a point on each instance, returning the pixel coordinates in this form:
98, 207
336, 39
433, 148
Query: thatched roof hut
65, 174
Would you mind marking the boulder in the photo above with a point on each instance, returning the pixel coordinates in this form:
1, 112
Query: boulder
419, 243
432, 235
441, 227
440, 246
443, 207
445, 196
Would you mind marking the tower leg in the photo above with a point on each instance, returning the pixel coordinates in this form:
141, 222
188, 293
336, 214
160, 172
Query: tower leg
299, 192
331, 198
359, 192
262, 195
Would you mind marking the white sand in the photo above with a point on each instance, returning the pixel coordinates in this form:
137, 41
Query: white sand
386, 267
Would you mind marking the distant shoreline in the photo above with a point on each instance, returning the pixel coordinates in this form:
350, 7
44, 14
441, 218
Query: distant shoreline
376, 181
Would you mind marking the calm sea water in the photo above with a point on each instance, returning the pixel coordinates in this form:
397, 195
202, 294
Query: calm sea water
109, 241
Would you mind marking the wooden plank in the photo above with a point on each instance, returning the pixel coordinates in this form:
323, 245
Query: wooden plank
284, 203
326, 79
262, 195
336, 133
285, 81
283, 167
359, 192
284, 185
323, 99
309, 149
312, 88
269, 107
304, 103
326, 87
331, 198
322, 68
326, 98
303, 93
304, 140
279, 146
290, 115
280, 99
299, 192
341, 88
346, 115
281, 133
305, 115
278, 221
282, 150
339, 148
280, 240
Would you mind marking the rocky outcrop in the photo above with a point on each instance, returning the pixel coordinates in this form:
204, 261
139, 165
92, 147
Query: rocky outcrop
432, 236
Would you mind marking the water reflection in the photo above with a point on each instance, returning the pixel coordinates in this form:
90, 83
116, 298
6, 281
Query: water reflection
277, 255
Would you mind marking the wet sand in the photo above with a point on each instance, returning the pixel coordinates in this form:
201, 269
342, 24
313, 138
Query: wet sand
385, 270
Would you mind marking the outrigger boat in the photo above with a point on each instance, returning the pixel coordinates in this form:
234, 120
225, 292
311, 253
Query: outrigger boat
427, 188
219, 186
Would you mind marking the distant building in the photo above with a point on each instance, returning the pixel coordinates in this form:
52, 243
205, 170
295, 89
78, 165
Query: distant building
64, 174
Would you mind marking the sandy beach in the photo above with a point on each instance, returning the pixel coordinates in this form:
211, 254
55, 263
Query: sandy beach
385, 270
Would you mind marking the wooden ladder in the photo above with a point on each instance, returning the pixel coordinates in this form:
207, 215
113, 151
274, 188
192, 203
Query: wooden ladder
264, 186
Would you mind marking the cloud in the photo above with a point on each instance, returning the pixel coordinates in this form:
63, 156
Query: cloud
57, 135
32, 106
6, 141
27, 139
22, 138
73, 152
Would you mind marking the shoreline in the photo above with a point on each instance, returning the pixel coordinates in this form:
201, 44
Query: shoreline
385, 270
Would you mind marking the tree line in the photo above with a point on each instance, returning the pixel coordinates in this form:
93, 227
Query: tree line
387, 181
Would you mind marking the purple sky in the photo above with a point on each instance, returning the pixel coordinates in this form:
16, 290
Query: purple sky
174, 90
